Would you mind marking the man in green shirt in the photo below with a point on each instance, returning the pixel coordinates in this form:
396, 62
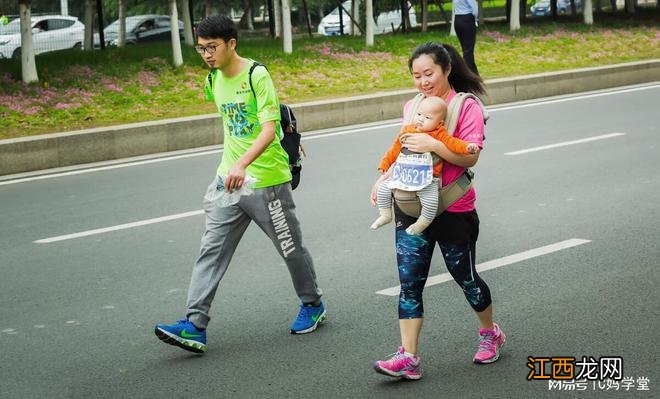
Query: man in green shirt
252, 148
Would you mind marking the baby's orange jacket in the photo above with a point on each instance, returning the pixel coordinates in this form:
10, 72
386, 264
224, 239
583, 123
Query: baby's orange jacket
455, 145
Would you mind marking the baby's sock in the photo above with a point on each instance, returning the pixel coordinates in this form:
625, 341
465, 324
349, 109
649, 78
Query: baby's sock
385, 218
420, 225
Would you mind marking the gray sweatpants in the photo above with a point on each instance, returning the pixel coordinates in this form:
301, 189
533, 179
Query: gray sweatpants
273, 209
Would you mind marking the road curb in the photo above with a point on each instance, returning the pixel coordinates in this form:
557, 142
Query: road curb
122, 141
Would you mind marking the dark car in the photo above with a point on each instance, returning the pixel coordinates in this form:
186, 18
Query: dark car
139, 28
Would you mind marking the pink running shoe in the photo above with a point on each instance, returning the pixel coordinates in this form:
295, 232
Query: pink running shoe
490, 342
400, 365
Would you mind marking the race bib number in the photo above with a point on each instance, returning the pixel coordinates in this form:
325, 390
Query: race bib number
412, 172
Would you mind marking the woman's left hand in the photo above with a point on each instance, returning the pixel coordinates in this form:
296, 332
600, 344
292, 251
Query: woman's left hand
419, 143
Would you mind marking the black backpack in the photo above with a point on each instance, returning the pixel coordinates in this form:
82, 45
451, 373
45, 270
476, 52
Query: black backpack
290, 141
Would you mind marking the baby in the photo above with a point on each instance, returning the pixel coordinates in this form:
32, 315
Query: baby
411, 171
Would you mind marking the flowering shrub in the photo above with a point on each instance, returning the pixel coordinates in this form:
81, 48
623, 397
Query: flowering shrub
80, 90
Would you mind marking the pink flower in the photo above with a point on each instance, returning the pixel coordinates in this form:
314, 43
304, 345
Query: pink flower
32, 110
497, 36
67, 106
147, 78
114, 87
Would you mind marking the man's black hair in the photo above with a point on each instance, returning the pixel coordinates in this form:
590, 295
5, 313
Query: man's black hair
217, 27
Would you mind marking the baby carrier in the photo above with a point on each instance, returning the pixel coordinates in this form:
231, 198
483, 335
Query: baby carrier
408, 201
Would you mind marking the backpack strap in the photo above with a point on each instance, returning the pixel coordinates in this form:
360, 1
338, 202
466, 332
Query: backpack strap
252, 67
209, 84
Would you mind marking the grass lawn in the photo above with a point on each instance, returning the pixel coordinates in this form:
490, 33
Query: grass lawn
138, 83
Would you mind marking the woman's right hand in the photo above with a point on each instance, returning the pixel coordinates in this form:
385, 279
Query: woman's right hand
374, 189
374, 193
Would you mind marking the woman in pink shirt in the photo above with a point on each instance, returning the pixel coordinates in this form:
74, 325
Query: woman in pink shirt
439, 70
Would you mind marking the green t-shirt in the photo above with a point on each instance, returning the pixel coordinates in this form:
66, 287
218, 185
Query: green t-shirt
242, 116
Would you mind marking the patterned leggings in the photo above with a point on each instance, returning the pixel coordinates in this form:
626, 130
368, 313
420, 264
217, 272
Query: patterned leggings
414, 260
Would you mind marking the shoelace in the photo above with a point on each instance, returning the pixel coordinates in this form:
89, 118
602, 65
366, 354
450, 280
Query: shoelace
396, 355
304, 313
486, 342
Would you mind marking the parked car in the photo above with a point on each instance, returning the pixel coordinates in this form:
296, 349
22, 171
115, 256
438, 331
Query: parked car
542, 7
139, 28
49, 33
329, 25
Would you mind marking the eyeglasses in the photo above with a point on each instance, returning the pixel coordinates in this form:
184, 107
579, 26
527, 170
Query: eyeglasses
208, 49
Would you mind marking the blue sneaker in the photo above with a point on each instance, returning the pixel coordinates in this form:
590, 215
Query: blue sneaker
309, 318
183, 334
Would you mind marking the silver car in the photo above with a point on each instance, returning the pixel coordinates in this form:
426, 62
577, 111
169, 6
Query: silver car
49, 33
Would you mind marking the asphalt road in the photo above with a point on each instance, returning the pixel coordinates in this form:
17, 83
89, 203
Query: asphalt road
77, 314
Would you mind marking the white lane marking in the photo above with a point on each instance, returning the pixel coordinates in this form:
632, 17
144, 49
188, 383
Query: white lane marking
565, 143
119, 227
100, 168
309, 136
572, 98
495, 263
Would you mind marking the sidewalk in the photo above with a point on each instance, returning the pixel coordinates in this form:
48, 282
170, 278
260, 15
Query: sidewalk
101, 144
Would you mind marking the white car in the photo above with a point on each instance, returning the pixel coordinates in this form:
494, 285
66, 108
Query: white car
329, 25
49, 33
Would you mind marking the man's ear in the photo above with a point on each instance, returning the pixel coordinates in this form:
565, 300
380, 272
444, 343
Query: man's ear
232, 43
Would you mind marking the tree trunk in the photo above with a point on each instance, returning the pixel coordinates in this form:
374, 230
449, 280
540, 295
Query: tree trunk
613, 6
425, 15
514, 25
246, 19
588, 13
573, 8
369, 35
553, 9
308, 18
28, 65
64, 7
630, 6
452, 29
250, 16
177, 58
277, 7
209, 9
121, 39
89, 25
405, 16
187, 23
481, 12
286, 27
355, 9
